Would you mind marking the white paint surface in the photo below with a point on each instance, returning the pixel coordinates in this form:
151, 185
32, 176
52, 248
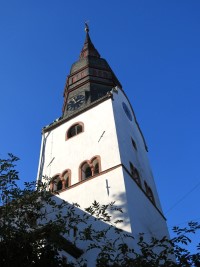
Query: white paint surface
114, 148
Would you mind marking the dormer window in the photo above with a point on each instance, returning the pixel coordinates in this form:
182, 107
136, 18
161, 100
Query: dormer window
74, 130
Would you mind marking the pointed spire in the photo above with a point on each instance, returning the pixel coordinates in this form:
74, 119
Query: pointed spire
88, 47
91, 75
86, 27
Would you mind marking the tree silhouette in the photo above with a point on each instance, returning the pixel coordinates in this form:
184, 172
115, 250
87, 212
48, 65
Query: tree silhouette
37, 228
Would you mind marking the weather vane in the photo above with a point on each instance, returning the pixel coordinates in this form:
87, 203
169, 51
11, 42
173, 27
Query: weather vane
86, 26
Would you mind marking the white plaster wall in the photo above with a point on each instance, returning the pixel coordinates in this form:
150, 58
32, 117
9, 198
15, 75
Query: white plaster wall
125, 130
144, 217
71, 153
139, 215
95, 189
114, 148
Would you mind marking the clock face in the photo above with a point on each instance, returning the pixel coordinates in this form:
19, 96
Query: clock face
127, 111
75, 102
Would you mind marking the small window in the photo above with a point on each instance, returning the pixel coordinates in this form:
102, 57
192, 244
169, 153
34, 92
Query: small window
134, 144
90, 168
60, 182
86, 171
73, 79
95, 164
74, 130
66, 179
59, 185
149, 193
55, 184
96, 168
135, 174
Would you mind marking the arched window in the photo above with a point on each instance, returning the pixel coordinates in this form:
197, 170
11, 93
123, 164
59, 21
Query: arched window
59, 185
74, 130
149, 192
95, 165
56, 184
60, 182
135, 174
66, 179
90, 168
86, 171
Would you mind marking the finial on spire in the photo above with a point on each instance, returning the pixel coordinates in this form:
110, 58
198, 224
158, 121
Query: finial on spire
86, 26
88, 47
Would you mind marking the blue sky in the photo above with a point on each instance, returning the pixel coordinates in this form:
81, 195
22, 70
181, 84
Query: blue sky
154, 49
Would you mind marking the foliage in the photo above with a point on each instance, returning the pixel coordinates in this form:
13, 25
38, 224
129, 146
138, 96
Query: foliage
36, 225
21, 238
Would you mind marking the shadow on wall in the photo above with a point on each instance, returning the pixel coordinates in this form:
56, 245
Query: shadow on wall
95, 227
123, 206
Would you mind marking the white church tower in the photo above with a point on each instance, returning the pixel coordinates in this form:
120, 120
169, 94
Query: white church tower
96, 150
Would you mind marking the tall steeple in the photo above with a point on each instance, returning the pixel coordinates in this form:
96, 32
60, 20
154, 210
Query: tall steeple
90, 79
88, 47
96, 151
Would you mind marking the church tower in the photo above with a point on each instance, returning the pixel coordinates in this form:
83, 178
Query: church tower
96, 150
